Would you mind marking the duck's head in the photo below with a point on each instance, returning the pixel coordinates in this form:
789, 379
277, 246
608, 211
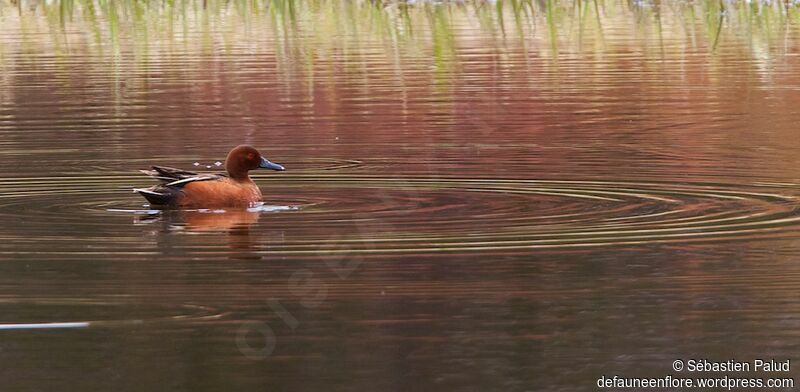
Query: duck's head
245, 158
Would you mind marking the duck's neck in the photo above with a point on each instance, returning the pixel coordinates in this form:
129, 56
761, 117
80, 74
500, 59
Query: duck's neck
239, 176
237, 169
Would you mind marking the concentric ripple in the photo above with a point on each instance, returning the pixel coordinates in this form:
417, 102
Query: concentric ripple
345, 214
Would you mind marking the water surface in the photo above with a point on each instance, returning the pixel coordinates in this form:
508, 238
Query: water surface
479, 196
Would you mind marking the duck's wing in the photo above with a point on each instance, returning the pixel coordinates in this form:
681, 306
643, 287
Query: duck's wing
167, 192
168, 174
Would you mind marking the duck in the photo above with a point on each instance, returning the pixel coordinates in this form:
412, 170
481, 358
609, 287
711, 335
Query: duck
185, 189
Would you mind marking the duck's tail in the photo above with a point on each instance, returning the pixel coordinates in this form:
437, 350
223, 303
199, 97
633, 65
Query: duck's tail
157, 195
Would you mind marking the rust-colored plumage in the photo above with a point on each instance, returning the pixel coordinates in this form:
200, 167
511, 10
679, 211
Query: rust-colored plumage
185, 189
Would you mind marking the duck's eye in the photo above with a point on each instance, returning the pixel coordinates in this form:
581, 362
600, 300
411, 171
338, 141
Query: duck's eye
251, 156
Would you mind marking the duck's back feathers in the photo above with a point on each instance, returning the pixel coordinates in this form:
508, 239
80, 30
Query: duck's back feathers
173, 180
168, 174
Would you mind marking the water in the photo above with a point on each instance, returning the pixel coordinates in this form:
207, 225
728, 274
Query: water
479, 196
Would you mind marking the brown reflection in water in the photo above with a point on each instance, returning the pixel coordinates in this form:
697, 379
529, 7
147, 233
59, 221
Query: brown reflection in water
234, 222
232, 225
602, 87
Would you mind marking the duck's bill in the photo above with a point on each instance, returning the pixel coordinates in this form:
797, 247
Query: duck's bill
265, 164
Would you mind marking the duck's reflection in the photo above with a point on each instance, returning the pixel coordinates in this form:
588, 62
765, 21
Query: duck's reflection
233, 226
235, 222
202, 220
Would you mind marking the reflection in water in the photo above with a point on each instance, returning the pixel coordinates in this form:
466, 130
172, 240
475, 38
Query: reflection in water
235, 224
204, 220
306, 39
507, 195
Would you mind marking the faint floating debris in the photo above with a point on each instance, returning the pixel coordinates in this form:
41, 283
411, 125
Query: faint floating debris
196, 164
217, 163
208, 166
77, 324
337, 138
